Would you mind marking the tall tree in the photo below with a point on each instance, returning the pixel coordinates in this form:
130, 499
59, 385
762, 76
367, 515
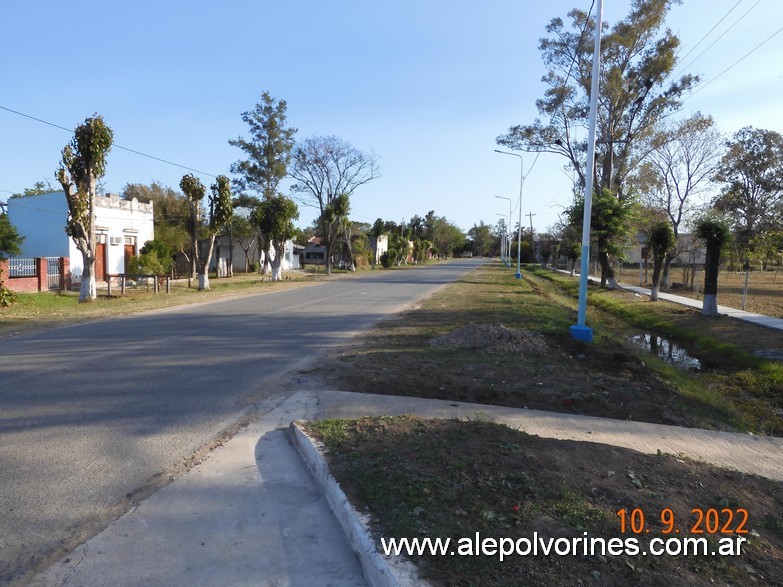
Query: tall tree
480, 236
328, 170
268, 151
637, 60
83, 164
194, 191
447, 237
682, 158
752, 171
275, 218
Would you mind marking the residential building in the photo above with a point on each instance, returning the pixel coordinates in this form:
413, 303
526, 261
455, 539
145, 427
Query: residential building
121, 229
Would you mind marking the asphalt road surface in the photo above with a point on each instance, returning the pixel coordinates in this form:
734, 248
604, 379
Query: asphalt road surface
95, 416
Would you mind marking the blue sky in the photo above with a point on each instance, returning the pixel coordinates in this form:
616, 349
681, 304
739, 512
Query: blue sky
425, 84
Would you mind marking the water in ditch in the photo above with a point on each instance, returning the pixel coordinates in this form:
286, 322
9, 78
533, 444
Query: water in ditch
667, 351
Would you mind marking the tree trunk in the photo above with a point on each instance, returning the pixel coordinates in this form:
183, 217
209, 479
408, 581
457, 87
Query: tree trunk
87, 289
276, 262
711, 269
608, 279
658, 262
328, 260
666, 270
203, 268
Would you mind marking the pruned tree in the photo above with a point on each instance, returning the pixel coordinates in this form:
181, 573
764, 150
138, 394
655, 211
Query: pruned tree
83, 164
661, 240
327, 171
715, 234
275, 217
194, 191
220, 212
637, 62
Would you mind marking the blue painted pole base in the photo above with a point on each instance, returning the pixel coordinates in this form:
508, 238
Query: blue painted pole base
518, 275
583, 333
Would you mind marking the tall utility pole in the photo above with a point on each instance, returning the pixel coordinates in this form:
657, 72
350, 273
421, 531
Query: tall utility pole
580, 330
532, 245
518, 274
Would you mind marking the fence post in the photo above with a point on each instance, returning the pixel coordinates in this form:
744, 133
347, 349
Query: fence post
41, 269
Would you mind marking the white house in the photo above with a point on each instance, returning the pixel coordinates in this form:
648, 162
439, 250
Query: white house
121, 227
224, 251
379, 245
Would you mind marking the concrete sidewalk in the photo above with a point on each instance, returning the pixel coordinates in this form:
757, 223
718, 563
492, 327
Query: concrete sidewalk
251, 514
759, 319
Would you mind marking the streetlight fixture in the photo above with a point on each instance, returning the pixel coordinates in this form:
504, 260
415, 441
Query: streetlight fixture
519, 226
508, 228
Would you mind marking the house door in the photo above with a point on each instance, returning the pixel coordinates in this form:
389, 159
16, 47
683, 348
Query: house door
130, 252
100, 261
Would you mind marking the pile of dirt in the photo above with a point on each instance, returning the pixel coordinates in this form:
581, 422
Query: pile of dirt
492, 338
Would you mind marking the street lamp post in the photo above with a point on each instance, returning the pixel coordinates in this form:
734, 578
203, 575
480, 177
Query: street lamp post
580, 330
519, 226
508, 228
503, 240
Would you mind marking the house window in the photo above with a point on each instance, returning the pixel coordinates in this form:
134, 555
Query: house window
130, 240
100, 238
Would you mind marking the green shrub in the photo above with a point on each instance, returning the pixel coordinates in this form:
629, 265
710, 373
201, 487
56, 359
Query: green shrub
7, 297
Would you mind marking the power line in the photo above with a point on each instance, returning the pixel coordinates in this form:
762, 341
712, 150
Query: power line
756, 48
736, 22
134, 151
707, 34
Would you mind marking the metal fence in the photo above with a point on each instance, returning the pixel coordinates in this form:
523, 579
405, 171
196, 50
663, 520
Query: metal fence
53, 272
20, 267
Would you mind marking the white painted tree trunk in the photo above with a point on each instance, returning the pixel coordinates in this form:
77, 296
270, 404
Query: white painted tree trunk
611, 282
654, 293
710, 305
203, 280
276, 260
88, 290
277, 270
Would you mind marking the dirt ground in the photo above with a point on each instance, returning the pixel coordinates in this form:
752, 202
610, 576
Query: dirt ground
553, 372
504, 483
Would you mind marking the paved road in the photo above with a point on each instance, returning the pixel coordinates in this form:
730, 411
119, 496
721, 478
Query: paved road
92, 414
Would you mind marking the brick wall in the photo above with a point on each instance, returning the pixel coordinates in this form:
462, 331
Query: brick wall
40, 281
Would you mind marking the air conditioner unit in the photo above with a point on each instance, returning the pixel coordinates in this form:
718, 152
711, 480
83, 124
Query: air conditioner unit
115, 240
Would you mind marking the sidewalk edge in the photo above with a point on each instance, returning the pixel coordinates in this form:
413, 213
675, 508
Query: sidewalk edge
378, 571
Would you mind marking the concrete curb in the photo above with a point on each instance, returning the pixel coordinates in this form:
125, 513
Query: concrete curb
379, 571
